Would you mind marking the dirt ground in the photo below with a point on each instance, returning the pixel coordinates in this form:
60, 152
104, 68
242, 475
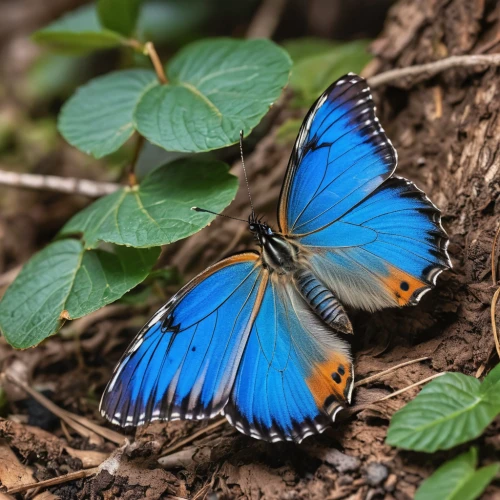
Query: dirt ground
446, 130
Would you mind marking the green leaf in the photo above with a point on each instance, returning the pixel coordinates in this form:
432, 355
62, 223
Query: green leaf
65, 281
158, 211
312, 75
490, 388
119, 15
458, 479
78, 31
154, 284
216, 88
450, 410
303, 48
55, 75
98, 118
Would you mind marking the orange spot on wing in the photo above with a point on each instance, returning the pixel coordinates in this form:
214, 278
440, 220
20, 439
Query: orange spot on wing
332, 377
402, 285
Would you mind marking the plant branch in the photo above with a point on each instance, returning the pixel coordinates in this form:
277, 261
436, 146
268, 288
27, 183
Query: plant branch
85, 187
420, 72
266, 19
149, 50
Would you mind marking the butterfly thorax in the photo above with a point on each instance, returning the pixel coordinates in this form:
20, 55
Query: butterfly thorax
279, 254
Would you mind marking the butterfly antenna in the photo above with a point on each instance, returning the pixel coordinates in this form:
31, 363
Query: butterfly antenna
204, 210
245, 172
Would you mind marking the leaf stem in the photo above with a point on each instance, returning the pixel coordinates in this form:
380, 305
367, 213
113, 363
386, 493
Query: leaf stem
131, 177
134, 44
149, 50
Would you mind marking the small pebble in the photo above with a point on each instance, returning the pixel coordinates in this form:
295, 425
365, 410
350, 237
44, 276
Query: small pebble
376, 473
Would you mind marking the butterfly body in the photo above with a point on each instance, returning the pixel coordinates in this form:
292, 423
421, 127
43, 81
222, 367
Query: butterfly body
288, 259
279, 254
258, 336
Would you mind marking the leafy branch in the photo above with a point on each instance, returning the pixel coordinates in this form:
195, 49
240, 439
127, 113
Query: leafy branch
200, 101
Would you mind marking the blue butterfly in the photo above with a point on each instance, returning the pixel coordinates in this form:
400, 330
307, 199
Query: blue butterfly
253, 337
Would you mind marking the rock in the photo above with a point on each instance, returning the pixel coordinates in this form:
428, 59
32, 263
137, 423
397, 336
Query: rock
376, 473
342, 462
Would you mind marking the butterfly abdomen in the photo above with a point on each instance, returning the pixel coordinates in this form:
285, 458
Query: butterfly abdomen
322, 300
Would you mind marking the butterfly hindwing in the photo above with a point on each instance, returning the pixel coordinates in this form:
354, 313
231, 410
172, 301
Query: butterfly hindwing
395, 250
295, 373
183, 362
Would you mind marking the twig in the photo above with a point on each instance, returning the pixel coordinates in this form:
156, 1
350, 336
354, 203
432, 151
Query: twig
72, 476
134, 44
494, 301
266, 19
191, 438
85, 187
149, 50
377, 376
80, 424
425, 71
494, 258
420, 382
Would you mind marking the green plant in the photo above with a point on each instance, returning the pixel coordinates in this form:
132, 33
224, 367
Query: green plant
450, 410
209, 91
458, 479
316, 64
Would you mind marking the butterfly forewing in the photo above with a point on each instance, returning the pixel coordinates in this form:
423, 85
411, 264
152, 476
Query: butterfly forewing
183, 363
341, 155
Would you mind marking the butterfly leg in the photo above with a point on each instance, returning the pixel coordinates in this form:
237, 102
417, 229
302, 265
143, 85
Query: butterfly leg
322, 301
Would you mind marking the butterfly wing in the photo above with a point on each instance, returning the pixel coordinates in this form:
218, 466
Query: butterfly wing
295, 373
183, 363
375, 239
341, 155
387, 251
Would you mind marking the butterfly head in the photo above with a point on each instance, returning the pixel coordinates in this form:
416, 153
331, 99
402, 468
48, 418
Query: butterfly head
259, 229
